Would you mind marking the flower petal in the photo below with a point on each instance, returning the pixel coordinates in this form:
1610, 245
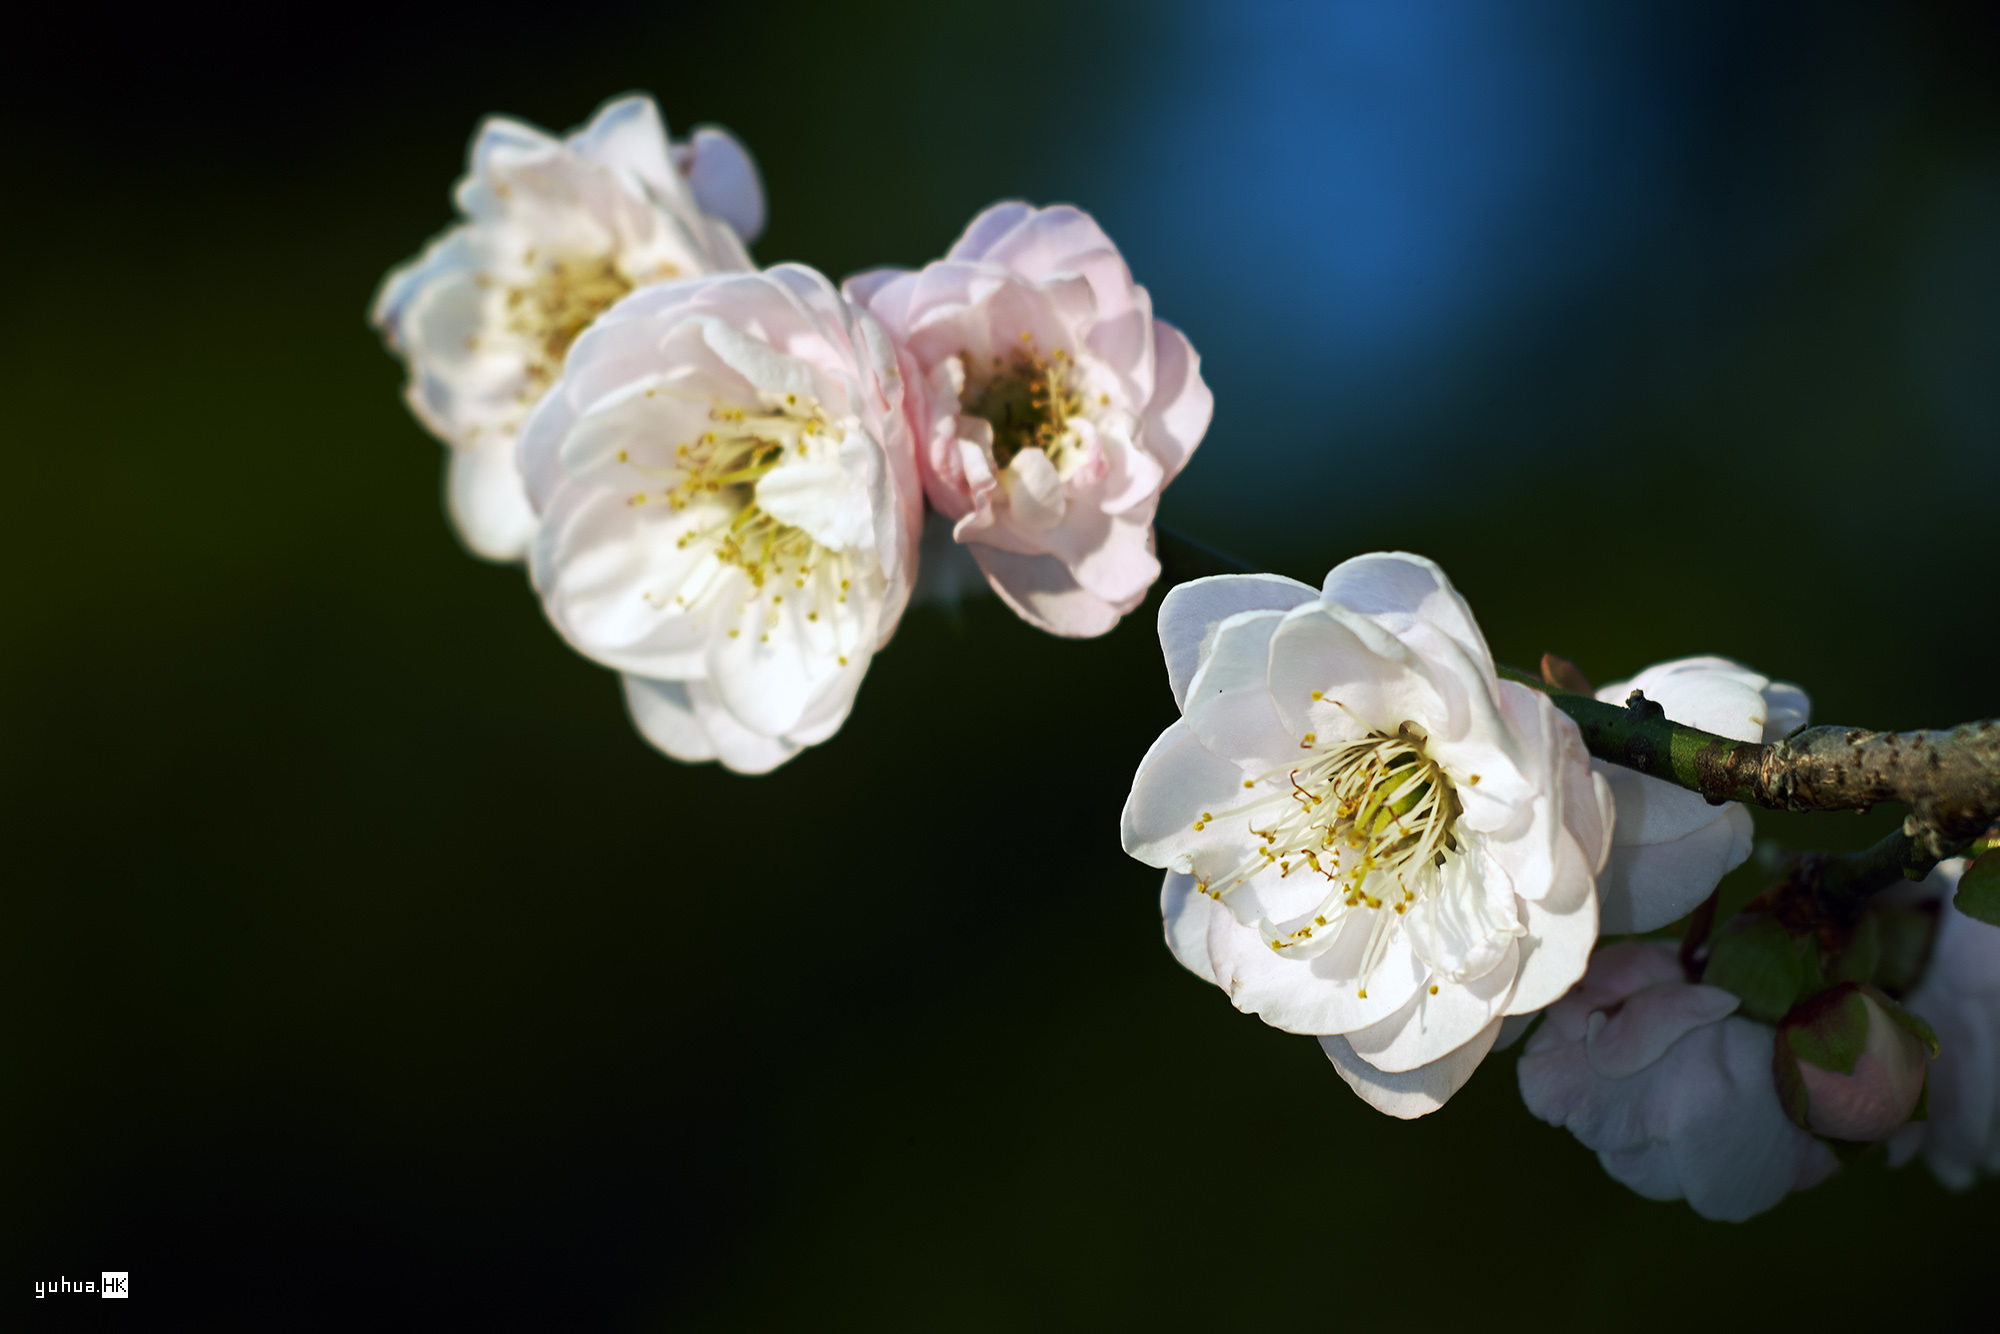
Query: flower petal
1364, 676
628, 133
1555, 952
665, 716
725, 180
1467, 924
1229, 702
1402, 592
1411, 1093
1735, 1151
1714, 694
1185, 915
1178, 780
738, 747
1045, 594
1433, 1024
488, 503
1182, 404
1652, 810
1624, 1041
1645, 887
1320, 994
1191, 613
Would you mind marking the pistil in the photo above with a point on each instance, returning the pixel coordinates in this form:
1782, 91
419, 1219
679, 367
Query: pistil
1029, 401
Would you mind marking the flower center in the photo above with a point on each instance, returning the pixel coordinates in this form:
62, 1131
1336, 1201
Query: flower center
715, 475
550, 310
1029, 401
1374, 816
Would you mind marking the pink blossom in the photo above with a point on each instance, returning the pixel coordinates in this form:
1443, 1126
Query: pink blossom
1960, 996
1058, 408
1673, 1090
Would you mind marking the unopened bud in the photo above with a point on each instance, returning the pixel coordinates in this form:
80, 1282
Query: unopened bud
1851, 1063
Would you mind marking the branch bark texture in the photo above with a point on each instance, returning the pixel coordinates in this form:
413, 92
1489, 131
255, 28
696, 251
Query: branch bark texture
1949, 780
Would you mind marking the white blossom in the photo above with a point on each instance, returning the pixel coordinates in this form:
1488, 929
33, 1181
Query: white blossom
729, 508
555, 231
1368, 836
1671, 847
1673, 1090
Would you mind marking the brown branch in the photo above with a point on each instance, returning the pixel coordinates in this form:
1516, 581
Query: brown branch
1948, 780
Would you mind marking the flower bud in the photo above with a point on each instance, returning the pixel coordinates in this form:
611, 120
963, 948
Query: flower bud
1850, 1063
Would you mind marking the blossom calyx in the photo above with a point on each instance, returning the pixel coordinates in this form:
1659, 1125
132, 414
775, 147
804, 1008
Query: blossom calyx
1058, 407
1850, 1063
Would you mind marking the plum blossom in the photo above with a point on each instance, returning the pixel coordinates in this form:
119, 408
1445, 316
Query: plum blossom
1367, 835
556, 230
729, 508
1960, 997
1058, 408
1671, 847
1672, 1089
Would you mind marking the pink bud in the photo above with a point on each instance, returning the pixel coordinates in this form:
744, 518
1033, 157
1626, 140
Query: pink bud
1884, 1076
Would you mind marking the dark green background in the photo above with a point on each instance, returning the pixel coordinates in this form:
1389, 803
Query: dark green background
362, 966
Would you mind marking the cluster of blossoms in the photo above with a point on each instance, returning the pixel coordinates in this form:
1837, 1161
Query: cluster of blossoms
718, 474
1369, 836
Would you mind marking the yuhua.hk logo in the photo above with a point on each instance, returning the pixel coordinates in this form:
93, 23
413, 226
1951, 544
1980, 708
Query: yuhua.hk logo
109, 1283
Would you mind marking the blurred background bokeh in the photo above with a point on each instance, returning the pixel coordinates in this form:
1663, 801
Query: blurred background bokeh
362, 967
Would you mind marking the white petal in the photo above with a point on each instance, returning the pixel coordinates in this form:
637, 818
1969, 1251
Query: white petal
1178, 780
1652, 810
1625, 1041
1735, 1150
1228, 704
488, 503
1411, 1093
737, 746
1786, 709
628, 133
826, 499
1713, 694
1316, 995
779, 670
1366, 677
1647, 1171
1190, 613
1555, 952
725, 180
1185, 915
1430, 1025
1402, 591
1467, 924
1644, 888
665, 716
609, 574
